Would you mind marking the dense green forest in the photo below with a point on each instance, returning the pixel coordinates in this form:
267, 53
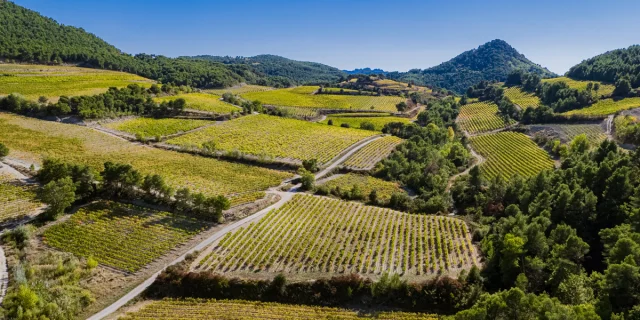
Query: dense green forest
26, 36
491, 61
610, 67
282, 71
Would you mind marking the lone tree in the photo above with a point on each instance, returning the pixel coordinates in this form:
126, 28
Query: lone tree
4, 151
402, 106
59, 195
623, 87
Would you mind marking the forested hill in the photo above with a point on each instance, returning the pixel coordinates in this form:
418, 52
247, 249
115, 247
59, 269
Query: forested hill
366, 71
27, 36
610, 66
491, 61
299, 72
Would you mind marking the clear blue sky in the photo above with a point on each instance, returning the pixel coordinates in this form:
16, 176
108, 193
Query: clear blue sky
393, 35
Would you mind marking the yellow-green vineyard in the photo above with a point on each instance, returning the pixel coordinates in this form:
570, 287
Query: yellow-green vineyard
604, 90
275, 137
34, 81
522, 98
356, 122
320, 235
366, 184
606, 107
16, 200
304, 97
152, 128
30, 140
480, 117
367, 157
121, 236
203, 102
189, 309
508, 153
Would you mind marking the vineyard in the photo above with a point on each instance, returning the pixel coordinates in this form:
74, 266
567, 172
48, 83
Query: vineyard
355, 122
121, 236
275, 137
300, 113
366, 184
151, 127
203, 102
16, 200
367, 157
30, 140
247, 197
480, 117
606, 107
522, 98
605, 89
247, 88
508, 153
192, 309
566, 132
304, 97
34, 81
311, 234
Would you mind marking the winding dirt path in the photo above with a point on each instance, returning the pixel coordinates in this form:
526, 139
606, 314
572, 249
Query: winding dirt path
479, 161
342, 158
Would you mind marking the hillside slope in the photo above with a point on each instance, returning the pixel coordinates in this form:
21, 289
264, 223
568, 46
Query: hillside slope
27, 36
610, 66
299, 72
491, 61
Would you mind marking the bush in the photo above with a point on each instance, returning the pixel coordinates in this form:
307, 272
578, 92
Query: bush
4, 151
366, 125
345, 125
308, 181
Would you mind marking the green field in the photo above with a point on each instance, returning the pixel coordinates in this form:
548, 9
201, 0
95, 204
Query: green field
16, 200
31, 139
480, 117
605, 89
508, 153
522, 98
247, 88
121, 236
366, 184
606, 107
34, 81
151, 128
355, 122
275, 137
313, 235
203, 102
304, 97
192, 309
367, 157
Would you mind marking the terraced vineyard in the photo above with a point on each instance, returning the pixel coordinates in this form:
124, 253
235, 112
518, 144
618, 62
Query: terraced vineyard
31, 139
566, 132
300, 113
522, 98
151, 127
311, 235
16, 200
275, 137
355, 122
203, 102
34, 81
247, 88
189, 309
366, 184
367, 157
304, 97
605, 89
606, 107
121, 236
480, 117
508, 153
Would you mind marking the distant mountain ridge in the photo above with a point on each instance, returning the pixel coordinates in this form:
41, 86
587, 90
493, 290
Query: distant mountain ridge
610, 66
280, 68
493, 60
366, 71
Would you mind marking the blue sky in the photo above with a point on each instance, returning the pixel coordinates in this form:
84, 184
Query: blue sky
393, 35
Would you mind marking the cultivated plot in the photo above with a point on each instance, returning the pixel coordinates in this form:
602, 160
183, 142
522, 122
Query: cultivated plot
30, 140
247, 88
508, 153
566, 132
34, 81
122, 236
356, 122
604, 90
275, 137
364, 183
189, 309
522, 98
203, 102
310, 235
151, 128
304, 97
480, 117
16, 200
606, 107
367, 157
